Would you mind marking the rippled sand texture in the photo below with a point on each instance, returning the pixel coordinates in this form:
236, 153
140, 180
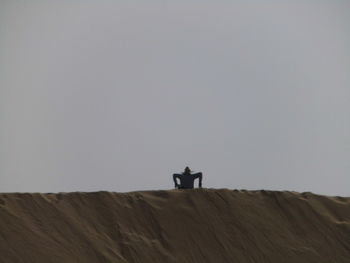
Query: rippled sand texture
201, 225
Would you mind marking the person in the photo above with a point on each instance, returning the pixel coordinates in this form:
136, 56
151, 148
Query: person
187, 179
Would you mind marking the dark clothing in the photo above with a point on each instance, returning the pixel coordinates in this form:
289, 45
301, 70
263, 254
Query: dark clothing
187, 180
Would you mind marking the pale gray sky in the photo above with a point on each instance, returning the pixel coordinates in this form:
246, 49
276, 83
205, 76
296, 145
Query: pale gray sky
118, 95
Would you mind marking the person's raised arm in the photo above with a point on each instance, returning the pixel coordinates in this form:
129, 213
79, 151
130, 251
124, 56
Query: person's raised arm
175, 181
199, 176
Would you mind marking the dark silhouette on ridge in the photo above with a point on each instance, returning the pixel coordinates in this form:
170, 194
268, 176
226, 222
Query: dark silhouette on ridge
187, 179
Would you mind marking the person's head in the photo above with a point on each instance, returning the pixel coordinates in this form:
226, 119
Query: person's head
187, 170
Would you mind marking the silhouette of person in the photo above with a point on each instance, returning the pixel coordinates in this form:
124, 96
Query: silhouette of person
187, 179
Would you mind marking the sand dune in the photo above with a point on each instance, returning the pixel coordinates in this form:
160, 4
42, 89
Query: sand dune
202, 225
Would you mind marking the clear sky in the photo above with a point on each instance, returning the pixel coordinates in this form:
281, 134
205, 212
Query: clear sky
119, 95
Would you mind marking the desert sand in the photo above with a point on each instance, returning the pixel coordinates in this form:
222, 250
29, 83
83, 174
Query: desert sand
200, 225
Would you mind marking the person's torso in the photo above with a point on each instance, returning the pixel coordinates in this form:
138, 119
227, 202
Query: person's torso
187, 180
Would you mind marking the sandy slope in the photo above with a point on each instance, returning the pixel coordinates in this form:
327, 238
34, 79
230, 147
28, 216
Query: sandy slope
204, 225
